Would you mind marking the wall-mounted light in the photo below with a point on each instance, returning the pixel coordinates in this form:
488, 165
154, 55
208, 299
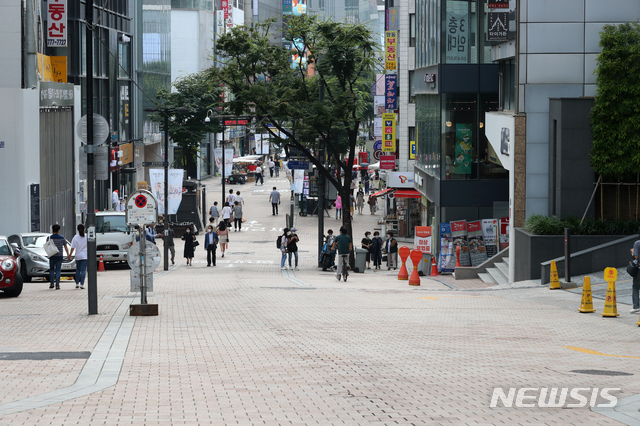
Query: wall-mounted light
448, 123
481, 124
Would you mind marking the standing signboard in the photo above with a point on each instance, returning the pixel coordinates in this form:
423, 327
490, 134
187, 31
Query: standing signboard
504, 233
389, 132
34, 204
423, 239
459, 234
490, 236
477, 251
447, 255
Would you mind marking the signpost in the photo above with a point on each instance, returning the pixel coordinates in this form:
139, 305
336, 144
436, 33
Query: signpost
141, 210
298, 165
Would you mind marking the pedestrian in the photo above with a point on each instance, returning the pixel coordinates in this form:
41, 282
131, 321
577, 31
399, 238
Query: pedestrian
79, 245
189, 238
352, 202
230, 197
635, 288
259, 175
277, 167
293, 185
237, 217
360, 200
115, 199
55, 261
376, 250
210, 245
392, 251
272, 167
372, 204
367, 244
167, 239
282, 242
226, 214
223, 236
352, 187
239, 198
274, 199
150, 233
344, 246
366, 183
292, 247
338, 204
214, 212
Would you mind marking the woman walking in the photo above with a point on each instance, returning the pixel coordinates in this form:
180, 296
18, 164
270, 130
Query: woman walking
376, 250
223, 236
188, 237
79, 245
283, 248
372, 204
338, 207
360, 200
367, 244
237, 216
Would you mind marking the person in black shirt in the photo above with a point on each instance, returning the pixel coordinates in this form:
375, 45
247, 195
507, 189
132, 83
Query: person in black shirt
292, 246
367, 244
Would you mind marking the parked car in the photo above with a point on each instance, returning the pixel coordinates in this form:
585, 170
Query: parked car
113, 236
33, 260
10, 278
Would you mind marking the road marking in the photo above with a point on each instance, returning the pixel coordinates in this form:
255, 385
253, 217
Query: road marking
589, 351
460, 297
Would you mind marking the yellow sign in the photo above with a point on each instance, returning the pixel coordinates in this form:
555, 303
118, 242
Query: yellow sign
391, 50
52, 68
389, 132
412, 150
143, 185
610, 274
127, 153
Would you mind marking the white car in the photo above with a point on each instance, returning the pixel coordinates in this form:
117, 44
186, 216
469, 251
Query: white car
113, 236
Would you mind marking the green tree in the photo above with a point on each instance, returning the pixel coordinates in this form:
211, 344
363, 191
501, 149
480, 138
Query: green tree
324, 101
197, 93
615, 117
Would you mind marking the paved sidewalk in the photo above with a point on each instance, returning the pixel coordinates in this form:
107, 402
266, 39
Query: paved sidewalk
245, 343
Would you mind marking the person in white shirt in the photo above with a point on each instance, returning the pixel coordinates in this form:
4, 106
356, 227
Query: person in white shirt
239, 199
272, 167
226, 214
259, 175
231, 197
115, 199
79, 245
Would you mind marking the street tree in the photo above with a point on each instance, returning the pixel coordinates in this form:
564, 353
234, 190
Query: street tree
314, 97
197, 94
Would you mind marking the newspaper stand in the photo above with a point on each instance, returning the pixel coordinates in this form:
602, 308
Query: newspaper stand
142, 210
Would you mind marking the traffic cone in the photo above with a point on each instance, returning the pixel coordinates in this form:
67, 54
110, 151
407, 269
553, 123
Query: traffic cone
416, 257
101, 265
434, 267
555, 282
404, 252
458, 257
586, 305
610, 305
638, 323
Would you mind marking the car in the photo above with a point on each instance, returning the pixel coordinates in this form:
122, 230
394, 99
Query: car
33, 260
113, 236
10, 278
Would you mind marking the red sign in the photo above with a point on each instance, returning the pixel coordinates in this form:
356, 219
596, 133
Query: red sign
423, 238
236, 122
141, 201
474, 226
387, 162
458, 226
498, 4
364, 157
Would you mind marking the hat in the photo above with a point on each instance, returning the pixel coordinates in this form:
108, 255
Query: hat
116, 191
293, 229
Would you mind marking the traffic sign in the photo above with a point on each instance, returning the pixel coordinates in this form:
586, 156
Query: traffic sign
297, 165
141, 208
100, 129
151, 258
377, 153
155, 164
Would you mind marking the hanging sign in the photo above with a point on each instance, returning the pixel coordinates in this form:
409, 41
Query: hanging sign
57, 23
390, 91
391, 50
389, 132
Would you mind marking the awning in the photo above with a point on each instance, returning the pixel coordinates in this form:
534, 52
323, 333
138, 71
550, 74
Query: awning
247, 159
384, 191
407, 193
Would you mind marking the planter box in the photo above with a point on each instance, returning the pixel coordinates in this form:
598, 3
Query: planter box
532, 250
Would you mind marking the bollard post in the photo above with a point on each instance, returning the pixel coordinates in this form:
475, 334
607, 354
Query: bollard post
567, 255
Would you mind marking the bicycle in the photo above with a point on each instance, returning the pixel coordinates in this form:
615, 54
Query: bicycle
345, 267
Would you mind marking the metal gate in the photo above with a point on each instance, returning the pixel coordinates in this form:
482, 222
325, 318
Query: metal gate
57, 198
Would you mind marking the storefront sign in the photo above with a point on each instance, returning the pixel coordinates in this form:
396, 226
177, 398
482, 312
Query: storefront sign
377, 128
490, 236
389, 132
391, 91
457, 38
447, 254
127, 153
498, 4
423, 239
459, 234
52, 68
143, 185
400, 180
391, 50
378, 105
412, 150
464, 151
430, 78
392, 19
387, 162
57, 23
477, 250
498, 26
60, 94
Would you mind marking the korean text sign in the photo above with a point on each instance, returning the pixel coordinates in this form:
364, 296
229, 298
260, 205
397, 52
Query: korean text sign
389, 132
423, 239
457, 38
57, 23
390, 91
391, 50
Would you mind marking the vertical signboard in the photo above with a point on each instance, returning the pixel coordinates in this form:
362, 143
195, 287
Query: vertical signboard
464, 151
380, 84
457, 38
389, 132
229, 13
447, 255
504, 233
490, 236
391, 50
497, 26
34, 204
412, 150
423, 239
392, 19
57, 23
390, 91
459, 234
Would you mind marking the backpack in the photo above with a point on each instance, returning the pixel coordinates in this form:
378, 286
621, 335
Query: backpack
279, 241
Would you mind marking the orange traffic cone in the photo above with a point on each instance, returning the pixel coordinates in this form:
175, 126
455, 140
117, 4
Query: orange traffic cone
101, 264
434, 268
404, 252
416, 257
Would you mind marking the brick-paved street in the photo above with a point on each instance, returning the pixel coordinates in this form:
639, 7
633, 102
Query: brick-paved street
245, 343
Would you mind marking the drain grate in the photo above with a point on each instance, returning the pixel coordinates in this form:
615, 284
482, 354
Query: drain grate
602, 372
42, 356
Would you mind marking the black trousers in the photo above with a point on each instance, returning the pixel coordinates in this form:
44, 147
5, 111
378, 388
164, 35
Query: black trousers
211, 254
237, 223
274, 208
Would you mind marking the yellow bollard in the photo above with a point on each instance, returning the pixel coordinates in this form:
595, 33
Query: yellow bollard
610, 305
586, 305
555, 282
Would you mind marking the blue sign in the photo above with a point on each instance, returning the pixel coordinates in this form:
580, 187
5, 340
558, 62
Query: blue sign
391, 91
297, 165
377, 145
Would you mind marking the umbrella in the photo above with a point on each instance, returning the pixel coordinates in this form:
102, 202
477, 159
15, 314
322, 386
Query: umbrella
374, 166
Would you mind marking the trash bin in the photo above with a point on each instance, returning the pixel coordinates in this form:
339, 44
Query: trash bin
361, 258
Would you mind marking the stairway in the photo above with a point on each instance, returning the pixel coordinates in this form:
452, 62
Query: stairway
497, 275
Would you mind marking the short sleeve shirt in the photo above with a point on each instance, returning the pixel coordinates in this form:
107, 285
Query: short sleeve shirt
343, 241
79, 244
60, 242
275, 196
239, 199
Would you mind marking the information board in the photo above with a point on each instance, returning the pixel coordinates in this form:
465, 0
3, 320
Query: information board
141, 208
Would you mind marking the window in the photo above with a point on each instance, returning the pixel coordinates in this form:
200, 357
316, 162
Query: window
115, 223
412, 30
508, 85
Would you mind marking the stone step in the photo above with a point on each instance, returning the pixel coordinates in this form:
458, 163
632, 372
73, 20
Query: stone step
486, 278
506, 260
504, 268
497, 275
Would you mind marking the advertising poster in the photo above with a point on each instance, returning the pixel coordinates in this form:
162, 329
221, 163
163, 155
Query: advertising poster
477, 250
490, 235
459, 234
457, 38
464, 149
228, 159
423, 239
447, 256
156, 178
504, 233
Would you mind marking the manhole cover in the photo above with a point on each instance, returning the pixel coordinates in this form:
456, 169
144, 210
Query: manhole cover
602, 372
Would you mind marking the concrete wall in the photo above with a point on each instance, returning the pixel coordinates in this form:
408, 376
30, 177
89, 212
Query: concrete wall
191, 41
10, 48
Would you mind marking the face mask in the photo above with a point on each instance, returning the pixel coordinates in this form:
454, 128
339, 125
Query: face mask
188, 231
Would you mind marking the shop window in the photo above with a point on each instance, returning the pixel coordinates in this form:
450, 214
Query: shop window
412, 30
459, 136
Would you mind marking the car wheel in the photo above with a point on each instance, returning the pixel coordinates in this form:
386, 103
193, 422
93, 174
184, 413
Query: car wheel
23, 271
17, 288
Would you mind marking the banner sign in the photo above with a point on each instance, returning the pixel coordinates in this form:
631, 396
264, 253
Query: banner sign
389, 132
498, 4
156, 180
377, 129
504, 233
490, 236
393, 19
387, 162
464, 152
497, 26
57, 23
457, 38
423, 239
380, 85
391, 91
412, 150
228, 159
447, 255
459, 234
477, 250
391, 50
378, 105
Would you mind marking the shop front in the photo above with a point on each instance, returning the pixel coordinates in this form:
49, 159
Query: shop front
402, 206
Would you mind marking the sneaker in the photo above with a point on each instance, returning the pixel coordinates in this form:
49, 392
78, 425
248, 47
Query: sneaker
297, 268
81, 287
339, 277
77, 286
634, 311
222, 254
284, 268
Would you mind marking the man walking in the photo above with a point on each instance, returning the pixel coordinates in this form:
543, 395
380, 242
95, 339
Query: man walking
292, 247
272, 167
231, 198
259, 175
55, 261
215, 213
635, 288
210, 245
167, 239
274, 198
239, 198
344, 245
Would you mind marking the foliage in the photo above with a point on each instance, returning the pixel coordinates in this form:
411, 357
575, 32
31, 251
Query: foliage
196, 93
543, 225
615, 117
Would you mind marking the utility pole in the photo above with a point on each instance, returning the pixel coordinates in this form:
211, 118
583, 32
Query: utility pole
166, 193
